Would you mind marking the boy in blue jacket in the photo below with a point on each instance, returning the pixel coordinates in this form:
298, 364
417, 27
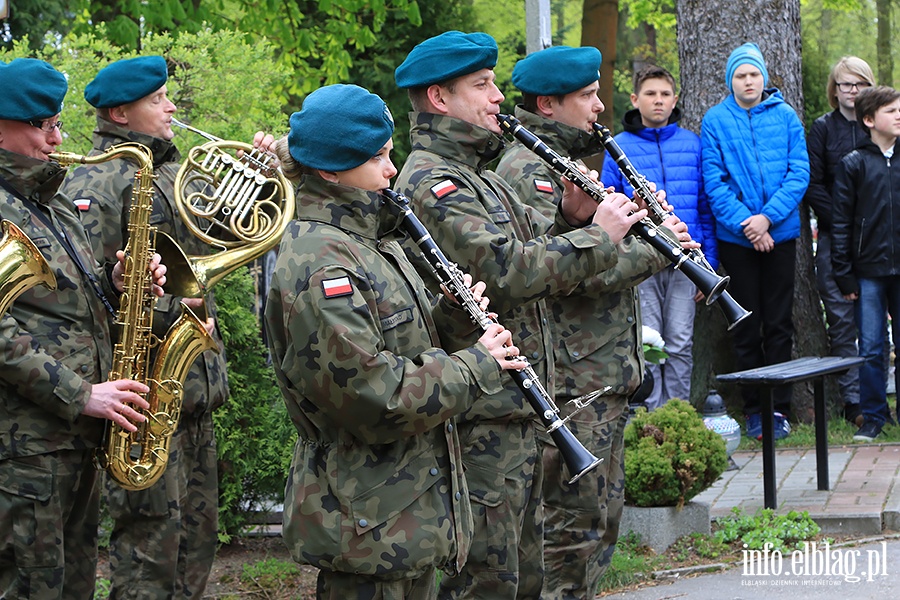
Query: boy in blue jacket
669, 156
864, 254
755, 172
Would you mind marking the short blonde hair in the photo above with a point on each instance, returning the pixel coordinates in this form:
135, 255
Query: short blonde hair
847, 65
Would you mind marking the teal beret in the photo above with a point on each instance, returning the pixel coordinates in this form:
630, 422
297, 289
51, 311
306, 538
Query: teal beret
557, 70
126, 81
445, 57
339, 128
32, 90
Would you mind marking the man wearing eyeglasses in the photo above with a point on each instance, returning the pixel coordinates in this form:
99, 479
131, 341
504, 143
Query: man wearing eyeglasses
55, 350
831, 137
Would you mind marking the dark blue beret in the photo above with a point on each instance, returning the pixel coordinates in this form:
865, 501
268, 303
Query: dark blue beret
339, 128
557, 70
446, 56
127, 80
32, 90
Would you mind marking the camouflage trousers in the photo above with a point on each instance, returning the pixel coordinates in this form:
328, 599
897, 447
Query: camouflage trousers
332, 585
164, 538
50, 507
581, 520
503, 472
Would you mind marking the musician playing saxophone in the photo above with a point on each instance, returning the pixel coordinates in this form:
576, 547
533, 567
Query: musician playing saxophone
596, 335
172, 526
55, 354
376, 497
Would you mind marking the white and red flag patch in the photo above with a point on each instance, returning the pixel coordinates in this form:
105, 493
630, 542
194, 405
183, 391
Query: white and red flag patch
443, 188
542, 185
339, 286
83, 203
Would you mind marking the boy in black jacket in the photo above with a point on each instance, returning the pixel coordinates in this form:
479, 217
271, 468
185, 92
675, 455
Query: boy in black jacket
865, 258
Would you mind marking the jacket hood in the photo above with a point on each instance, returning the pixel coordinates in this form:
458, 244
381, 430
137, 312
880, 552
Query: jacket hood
633, 124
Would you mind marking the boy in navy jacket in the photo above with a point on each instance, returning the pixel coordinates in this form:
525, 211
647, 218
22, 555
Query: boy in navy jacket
865, 257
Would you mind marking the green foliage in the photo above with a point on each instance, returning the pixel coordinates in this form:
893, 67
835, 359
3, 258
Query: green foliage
102, 586
659, 14
697, 544
631, 563
270, 574
34, 19
785, 532
670, 456
253, 432
219, 81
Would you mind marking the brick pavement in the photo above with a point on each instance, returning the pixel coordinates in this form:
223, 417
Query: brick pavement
864, 494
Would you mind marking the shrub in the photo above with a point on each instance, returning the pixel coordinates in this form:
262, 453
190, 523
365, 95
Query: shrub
670, 456
254, 435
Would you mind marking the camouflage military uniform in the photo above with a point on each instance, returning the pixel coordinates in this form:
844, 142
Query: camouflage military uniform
53, 346
597, 342
479, 223
376, 495
164, 540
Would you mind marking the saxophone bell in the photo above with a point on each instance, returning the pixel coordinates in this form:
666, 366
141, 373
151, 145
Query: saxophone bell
22, 266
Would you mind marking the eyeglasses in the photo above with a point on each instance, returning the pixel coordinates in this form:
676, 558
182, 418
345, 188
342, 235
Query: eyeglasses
847, 87
46, 126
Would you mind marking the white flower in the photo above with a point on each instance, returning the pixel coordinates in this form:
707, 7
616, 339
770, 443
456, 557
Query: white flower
652, 337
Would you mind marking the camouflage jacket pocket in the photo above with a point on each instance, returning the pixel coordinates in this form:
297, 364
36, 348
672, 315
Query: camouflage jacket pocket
588, 340
402, 526
26, 481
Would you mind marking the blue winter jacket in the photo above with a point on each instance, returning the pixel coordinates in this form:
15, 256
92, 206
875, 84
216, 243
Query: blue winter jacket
670, 158
754, 162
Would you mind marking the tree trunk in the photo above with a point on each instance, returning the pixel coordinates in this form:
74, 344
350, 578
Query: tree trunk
708, 30
599, 22
884, 43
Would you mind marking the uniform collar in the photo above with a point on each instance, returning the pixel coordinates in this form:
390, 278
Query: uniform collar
109, 134
454, 138
36, 180
574, 142
366, 214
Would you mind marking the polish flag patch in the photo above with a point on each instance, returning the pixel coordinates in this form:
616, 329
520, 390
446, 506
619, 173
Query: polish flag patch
83, 203
443, 188
339, 286
542, 185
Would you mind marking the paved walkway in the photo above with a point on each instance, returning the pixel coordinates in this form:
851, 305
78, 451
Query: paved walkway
864, 482
863, 500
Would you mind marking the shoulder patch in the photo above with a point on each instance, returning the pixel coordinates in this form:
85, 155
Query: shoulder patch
542, 185
82, 203
443, 188
339, 286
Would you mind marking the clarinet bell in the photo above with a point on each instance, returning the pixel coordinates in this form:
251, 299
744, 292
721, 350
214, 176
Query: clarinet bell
734, 312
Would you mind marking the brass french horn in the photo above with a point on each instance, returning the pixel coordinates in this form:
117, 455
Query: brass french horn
228, 195
22, 265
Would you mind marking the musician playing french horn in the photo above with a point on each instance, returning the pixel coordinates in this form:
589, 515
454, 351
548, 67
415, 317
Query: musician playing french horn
55, 354
596, 335
376, 497
172, 525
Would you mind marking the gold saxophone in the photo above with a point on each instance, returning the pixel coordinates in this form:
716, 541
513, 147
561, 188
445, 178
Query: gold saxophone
22, 265
137, 460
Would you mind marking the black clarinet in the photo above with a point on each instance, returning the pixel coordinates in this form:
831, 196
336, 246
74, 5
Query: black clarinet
706, 280
577, 458
734, 312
